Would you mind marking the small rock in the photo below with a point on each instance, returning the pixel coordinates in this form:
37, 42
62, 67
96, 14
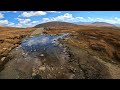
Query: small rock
42, 55
23, 53
17, 47
60, 45
62, 68
52, 68
26, 54
4, 48
80, 42
58, 72
33, 74
34, 49
42, 68
31, 36
3, 58
64, 51
44, 48
49, 76
9, 48
86, 47
33, 69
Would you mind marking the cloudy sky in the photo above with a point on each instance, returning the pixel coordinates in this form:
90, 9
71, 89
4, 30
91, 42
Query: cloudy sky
32, 18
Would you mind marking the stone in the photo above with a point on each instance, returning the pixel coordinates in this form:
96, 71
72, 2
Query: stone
34, 49
60, 45
3, 58
4, 48
33, 74
42, 68
9, 48
23, 53
42, 55
31, 36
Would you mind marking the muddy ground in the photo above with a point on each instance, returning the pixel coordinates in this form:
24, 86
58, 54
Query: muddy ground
85, 54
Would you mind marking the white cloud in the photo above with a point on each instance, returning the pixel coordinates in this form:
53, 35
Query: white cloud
111, 20
23, 21
14, 11
31, 13
53, 11
11, 24
1, 15
64, 17
3, 22
8, 11
46, 19
26, 22
34, 22
79, 17
18, 25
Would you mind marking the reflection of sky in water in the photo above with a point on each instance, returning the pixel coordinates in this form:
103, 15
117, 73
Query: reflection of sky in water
40, 43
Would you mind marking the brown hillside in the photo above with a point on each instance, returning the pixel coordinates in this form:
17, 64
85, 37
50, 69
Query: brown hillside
54, 24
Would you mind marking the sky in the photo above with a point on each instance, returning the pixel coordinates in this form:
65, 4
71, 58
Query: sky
31, 18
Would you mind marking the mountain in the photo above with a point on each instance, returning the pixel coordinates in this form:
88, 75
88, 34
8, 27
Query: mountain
98, 24
54, 24
103, 24
117, 25
82, 23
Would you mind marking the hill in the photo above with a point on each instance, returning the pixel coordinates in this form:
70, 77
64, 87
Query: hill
103, 24
54, 24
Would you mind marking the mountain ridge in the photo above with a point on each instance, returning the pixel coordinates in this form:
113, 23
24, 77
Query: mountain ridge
54, 24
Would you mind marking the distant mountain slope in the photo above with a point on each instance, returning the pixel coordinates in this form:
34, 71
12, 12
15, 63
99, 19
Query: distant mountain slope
11, 28
82, 23
103, 24
54, 24
7, 28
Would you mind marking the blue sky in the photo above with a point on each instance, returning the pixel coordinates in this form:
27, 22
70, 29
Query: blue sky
32, 18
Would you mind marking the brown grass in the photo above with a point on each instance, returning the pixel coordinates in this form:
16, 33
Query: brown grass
11, 38
105, 41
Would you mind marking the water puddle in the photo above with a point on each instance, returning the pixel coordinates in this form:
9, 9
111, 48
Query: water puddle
41, 43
